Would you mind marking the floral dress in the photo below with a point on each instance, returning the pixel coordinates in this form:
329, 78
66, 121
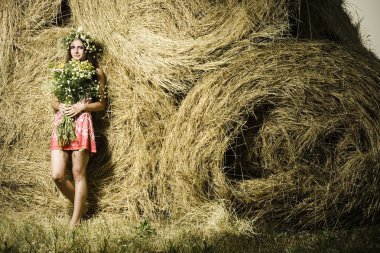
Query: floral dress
84, 130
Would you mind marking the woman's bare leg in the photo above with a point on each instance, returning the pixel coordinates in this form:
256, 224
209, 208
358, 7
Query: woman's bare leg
80, 160
59, 161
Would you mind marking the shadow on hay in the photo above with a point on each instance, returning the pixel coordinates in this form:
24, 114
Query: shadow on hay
325, 20
239, 162
64, 14
100, 169
322, 19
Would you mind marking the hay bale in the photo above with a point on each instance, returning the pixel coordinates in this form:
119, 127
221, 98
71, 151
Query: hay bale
208, 101
287, 132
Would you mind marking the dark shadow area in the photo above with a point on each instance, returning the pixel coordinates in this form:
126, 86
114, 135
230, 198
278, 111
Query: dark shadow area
64, 14
322, 20
99, 169
270, 241
240, 160
326, 20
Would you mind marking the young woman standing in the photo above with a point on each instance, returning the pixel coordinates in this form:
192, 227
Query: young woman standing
80, 47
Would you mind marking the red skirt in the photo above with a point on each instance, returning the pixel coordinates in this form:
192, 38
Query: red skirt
84, 130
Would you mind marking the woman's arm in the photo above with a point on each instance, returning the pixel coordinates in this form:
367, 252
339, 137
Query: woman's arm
56, 105
88, 106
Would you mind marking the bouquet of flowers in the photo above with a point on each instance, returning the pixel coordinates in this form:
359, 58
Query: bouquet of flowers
71, 83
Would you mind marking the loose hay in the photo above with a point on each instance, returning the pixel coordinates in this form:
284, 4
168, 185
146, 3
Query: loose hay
208, 101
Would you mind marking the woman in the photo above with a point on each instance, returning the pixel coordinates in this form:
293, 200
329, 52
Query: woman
80, 46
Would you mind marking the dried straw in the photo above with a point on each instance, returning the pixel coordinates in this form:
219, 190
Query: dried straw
209, 102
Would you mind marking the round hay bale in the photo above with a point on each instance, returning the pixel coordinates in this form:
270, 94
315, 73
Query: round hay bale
287, 132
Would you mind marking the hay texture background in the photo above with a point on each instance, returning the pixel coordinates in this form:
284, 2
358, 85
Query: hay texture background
267, 109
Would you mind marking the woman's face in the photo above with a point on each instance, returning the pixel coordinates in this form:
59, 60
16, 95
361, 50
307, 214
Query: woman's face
77, 50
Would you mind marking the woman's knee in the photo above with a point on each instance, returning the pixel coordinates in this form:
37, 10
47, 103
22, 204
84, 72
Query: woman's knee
80, 160
58, 165
58, 177
79, 173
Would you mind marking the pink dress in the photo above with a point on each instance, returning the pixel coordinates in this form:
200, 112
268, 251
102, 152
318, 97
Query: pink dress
84, 130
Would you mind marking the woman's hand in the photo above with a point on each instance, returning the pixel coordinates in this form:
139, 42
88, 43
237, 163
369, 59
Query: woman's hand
61, 108
75, 109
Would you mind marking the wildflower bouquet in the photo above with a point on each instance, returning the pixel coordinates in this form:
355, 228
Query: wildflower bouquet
71, 83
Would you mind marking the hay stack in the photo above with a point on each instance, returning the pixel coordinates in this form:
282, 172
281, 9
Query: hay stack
301, 132
209, 101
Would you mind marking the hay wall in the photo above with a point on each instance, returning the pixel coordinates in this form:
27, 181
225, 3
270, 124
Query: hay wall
209, 102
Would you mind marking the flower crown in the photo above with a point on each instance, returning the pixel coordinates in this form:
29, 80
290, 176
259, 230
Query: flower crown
89, 43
